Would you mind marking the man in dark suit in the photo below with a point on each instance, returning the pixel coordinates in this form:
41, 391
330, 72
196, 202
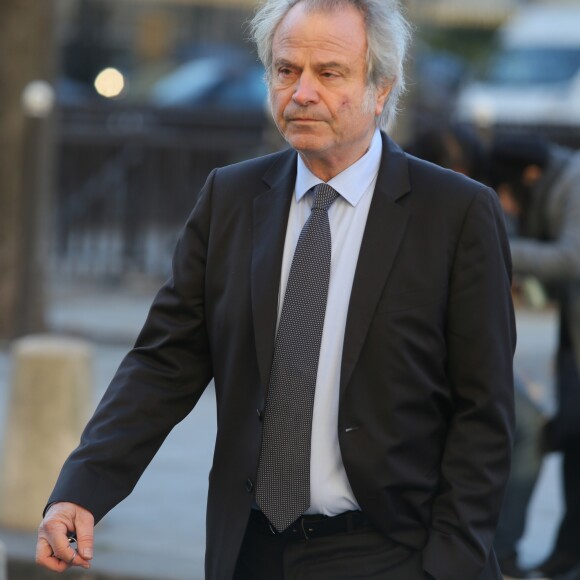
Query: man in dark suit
353, 306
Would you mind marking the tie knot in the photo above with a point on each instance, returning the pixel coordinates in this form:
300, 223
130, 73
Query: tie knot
324, 196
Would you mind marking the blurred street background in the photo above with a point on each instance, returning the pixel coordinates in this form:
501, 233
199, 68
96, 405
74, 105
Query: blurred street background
112, 114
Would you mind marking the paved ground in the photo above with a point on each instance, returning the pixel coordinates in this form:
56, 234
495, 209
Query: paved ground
158, 532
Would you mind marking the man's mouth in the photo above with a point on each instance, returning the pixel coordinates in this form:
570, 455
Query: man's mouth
303, 120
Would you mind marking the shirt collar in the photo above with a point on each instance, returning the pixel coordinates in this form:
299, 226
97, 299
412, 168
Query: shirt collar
351, 183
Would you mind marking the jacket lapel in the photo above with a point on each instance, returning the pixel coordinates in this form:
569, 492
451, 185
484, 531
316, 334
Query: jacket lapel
386, 224
270, 217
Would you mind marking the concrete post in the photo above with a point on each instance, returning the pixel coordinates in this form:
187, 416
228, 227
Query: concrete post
49, 404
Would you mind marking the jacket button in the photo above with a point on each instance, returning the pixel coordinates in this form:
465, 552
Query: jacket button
249, 485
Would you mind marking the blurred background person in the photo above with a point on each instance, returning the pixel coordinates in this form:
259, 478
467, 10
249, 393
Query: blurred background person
539, 187
525, 470
451, 146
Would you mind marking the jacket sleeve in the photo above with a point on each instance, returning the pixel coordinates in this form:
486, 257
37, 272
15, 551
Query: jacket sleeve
155, 387
558, 259
481, 342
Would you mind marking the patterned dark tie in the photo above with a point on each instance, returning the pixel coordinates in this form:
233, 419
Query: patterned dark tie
283, 482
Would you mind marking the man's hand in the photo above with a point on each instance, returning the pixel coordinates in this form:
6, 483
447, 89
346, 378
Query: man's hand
53, 549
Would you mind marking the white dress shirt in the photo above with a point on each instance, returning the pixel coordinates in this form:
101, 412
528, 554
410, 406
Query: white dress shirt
330, 491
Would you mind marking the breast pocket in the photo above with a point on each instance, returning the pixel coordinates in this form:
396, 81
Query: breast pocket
399, 301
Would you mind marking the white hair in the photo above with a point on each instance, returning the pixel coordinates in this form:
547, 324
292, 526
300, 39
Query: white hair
388, 37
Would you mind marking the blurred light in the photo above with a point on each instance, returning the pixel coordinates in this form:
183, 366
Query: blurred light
483, 113
110, 83
38, 99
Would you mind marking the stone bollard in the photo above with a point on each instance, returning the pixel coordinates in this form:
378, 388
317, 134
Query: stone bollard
49, 403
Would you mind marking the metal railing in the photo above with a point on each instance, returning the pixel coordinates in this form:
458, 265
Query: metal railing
128, 178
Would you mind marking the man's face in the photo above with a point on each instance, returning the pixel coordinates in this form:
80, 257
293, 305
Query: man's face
319, 94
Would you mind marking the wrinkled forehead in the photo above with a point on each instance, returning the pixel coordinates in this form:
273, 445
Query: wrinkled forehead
340, 31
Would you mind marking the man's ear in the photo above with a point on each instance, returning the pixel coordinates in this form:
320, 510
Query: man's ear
532, 174
381, 97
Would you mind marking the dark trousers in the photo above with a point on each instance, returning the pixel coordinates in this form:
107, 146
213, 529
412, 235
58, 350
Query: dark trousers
568, 419
526, 464
362, 553
565, 429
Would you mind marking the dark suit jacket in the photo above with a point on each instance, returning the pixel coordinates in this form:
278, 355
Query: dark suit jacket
425, 412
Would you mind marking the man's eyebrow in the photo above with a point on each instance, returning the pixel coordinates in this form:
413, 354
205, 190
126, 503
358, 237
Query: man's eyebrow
333, 65
282, 62
320, 66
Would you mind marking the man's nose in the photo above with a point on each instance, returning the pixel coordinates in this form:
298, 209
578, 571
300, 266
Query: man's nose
305, 92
